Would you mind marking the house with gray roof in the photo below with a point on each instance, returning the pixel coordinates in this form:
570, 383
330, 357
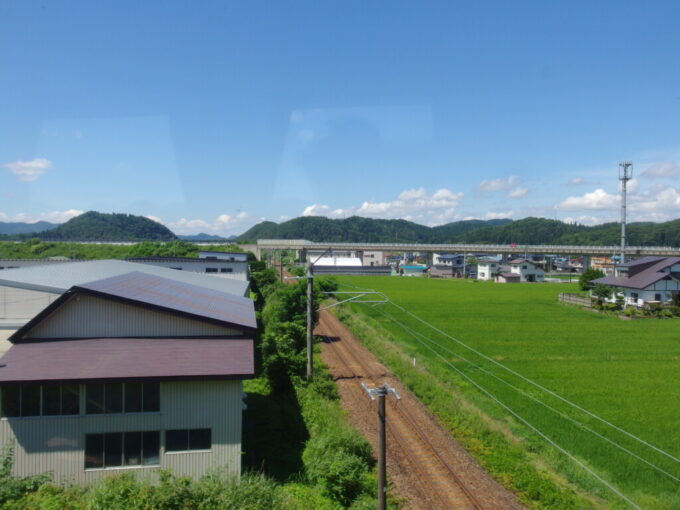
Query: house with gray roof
646, 280
132, 372
26, 291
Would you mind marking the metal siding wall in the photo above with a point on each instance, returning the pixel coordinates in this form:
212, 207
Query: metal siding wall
56, 444
95, 317
21, 303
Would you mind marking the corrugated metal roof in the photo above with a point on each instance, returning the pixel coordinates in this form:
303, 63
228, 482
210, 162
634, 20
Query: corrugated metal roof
177, 296
644, 278
183, 259
58, 278
127, 358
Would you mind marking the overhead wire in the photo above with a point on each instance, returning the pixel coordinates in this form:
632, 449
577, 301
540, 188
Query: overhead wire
417, 334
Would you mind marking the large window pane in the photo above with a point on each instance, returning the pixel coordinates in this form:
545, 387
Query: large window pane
133, 448
94, 451
113, 450
151, 448
70, 399
113, 398
95, 399
30, 400
176, 440
133, 397
11, 401
51, 400
152, 397
199, 439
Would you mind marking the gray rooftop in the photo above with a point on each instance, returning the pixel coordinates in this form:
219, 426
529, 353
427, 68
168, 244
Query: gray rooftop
58, 278
645, 277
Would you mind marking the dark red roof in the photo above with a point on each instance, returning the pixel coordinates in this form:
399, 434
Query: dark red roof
182, 297
102, 359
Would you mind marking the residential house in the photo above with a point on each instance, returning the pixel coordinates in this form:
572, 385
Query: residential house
488, 268
526, 270
646, 280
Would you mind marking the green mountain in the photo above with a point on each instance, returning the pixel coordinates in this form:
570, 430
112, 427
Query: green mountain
94, 226
524, 231
26, 228
358, 229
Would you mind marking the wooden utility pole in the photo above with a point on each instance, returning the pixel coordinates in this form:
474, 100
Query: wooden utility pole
381, 392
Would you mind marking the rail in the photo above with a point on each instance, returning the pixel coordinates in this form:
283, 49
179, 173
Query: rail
402, 439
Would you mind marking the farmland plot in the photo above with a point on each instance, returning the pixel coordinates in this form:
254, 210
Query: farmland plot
594, 397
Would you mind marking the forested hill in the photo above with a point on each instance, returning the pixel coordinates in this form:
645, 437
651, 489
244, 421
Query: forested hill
94, 226
357, 229
25, 228
525, 231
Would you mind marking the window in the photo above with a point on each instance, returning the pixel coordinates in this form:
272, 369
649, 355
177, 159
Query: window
524, 266
634, 295
40, 400
118, 449
111, 398
227, 270
210, 269
187, 440
657, 297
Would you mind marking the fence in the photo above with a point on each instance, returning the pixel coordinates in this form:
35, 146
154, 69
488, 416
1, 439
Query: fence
575, 299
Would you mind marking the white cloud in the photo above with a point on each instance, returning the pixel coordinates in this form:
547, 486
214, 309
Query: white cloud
316, 210
584, 220
29, 170
498, 215
576, 181
411, 204
662, 170
154, 218
497, 184
224, 224
518, 192
51, 216
595, 200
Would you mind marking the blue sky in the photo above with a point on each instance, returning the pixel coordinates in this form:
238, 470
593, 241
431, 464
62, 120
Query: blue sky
211, 116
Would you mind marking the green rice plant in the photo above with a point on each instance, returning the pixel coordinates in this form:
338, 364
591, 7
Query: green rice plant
623, 372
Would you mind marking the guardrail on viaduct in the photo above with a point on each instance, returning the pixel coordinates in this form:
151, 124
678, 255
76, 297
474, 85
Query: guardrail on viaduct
545, 249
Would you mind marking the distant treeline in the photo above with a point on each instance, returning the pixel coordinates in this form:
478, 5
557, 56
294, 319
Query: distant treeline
525, 231
36, 249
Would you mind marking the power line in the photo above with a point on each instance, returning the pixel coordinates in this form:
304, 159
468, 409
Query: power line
523, 393
537, 431
537, 385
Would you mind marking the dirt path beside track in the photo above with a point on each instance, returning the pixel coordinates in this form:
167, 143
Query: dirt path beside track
426, 467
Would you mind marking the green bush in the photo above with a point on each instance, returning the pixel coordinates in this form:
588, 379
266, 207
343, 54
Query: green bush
13, 488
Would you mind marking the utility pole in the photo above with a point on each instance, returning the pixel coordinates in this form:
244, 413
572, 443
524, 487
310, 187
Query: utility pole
310, 319
625, 175
281, 265
381, 392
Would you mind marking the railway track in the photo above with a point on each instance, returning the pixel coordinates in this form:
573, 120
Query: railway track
438, 479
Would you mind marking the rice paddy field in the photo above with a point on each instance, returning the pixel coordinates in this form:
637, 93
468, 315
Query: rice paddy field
594, 397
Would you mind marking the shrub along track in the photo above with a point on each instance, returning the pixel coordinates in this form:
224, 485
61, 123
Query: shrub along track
426, 466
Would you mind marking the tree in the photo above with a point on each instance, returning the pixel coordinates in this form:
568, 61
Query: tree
602, 292
587, 276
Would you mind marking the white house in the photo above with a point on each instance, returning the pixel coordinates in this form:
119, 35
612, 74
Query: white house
527, 270
646, 280
134, 372
488, 269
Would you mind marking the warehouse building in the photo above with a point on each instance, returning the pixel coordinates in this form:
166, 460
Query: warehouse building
224, 267
26, 291
134, 372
